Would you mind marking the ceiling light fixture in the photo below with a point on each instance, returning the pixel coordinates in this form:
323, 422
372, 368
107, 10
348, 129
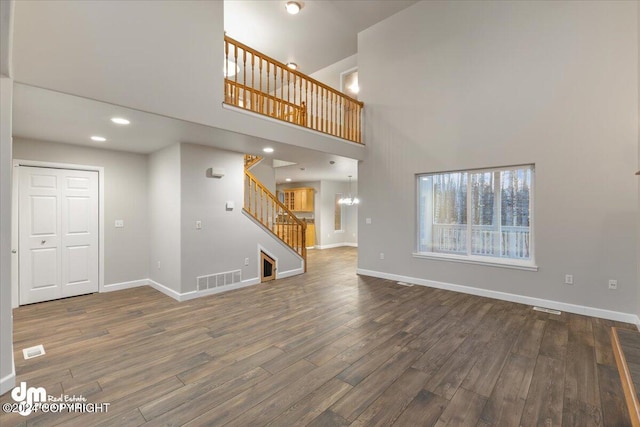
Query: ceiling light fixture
268, 150
288, 179
120, 121
292, 65
98, 138
349, 201
293, 7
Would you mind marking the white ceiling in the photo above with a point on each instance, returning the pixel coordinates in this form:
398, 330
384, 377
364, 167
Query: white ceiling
323, 33
53, 116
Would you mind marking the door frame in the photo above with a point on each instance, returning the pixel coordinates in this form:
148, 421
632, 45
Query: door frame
15, 249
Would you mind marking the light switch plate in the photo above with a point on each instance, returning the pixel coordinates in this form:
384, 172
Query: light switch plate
198, 225
119, 223
230, 205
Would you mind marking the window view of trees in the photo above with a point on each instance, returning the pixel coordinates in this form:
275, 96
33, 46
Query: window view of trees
476, 212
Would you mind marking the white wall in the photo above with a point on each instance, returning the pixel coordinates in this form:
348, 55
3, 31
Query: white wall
331, 75
163, 57
502, 83
266, 174
7, 372
330, 237
164, 217
125, 196
227, 237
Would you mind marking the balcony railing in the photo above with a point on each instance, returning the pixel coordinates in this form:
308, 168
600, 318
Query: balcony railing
260, 84
509, 242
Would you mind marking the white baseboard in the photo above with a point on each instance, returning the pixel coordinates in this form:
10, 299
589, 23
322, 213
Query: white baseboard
186, 296
556, 305
337, 245
165, 290
8, 382
289, 273
124, 285
197, 294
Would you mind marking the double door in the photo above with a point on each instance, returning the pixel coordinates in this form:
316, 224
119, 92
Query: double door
58, 233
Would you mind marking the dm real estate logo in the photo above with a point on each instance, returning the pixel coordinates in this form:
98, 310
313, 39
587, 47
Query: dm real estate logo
27, 398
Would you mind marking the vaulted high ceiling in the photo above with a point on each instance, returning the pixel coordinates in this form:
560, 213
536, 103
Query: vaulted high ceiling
324, 32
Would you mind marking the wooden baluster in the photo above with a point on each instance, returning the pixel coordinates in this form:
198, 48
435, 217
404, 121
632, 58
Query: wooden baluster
351, 113
315, 111
244, 78
268, 81
324, 110
261, 108
295, 92
235, 64
226, 71
334, 110
253, 86
359, 121
288, 85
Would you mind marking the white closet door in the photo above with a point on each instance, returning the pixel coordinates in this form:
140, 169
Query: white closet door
58, 227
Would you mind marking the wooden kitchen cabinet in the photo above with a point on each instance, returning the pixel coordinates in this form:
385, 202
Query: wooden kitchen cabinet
299, 199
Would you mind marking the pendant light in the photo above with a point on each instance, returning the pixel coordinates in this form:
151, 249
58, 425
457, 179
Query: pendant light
349, 201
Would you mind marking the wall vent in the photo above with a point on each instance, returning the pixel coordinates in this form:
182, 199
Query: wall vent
219, 280
547, 310
31, 352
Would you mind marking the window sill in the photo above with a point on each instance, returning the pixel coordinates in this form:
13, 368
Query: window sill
491, 262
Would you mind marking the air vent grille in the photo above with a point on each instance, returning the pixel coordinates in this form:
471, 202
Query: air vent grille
35, 351
219, 280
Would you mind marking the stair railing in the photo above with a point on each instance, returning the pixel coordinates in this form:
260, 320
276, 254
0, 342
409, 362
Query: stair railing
255, 82
265, 208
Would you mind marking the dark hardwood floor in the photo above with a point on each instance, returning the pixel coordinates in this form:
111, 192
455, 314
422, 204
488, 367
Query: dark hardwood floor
328, 348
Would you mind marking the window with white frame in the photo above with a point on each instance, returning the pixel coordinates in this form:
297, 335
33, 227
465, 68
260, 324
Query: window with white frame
477, 215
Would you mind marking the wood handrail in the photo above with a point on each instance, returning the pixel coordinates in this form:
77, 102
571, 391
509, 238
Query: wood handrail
277, 228
630, 395
296, 72
263, 85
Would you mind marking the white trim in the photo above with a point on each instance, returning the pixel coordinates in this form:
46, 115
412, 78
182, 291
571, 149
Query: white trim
125, 285
336, 245
8, 381
165, 290
55, 165
291, 125
488, 261
197, 294
180, 297
521, 299
289, 273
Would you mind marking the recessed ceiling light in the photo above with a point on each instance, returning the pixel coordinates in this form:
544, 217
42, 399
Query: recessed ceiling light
120, 121
292, 65
288, 179
268, 150
293, 7
98, 138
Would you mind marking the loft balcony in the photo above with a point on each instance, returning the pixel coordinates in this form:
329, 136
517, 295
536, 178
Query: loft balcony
260, 84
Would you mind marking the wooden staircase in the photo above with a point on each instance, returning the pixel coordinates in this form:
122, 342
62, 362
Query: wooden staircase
265, 208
